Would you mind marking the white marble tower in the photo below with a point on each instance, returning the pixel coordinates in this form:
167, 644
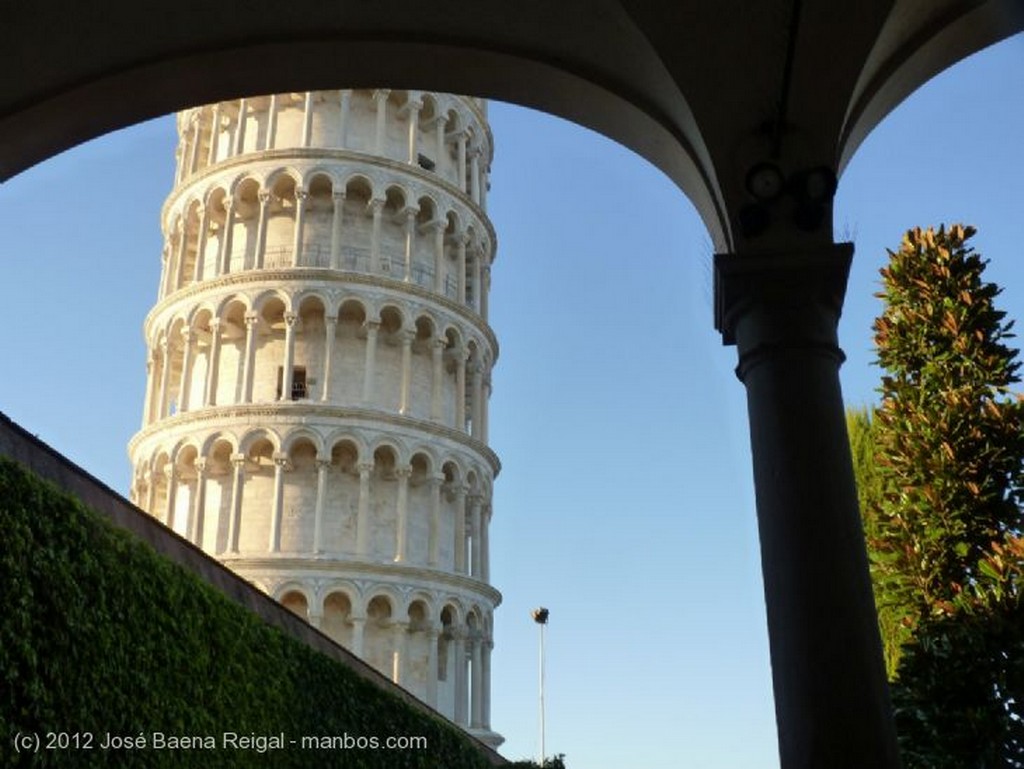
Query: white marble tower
319, 370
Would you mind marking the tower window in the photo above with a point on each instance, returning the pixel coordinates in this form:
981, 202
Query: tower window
299, 390
425, 163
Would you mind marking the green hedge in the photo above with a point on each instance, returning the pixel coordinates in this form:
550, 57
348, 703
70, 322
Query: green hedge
99, 634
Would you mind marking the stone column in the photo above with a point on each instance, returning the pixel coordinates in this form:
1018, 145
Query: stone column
414, 118
432, 634
461, 138
331, 329
287, 369
402, 514
461, 239
193, 159
369, 367
478, 396
163, 404
147, 405
474, 175
323, 465
214, 135
358, 628
363, 514
460, 389
410, 241
485, 544
171, 474
307, 119
831, 700
271, 123
204, 229
213, 364
337, 223
460, 529
438, 226
224, 246
461, 684
407, 336
187, 337
261, 230
399, 672
280, 465
381, 97
476, 695
377, 207
301, 196
437, 378
345, 99
475, 503
440, 126
182, 249
166, 261
485, 403
485, 682
434, 528
249, 363
196, 521
150, 477
485, 288
240, 130
237, 485
477, 274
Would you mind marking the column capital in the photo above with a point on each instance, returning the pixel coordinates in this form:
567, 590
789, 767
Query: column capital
331, 320
290, 318
282, 460
264, 197
187, 334
371, 325
439, 343
323, 463
238, 459
404, 471
215, 325
381, 93
376, 204
365, 468
436, 479
769, 303
406, 336
252, 320
301, 194
228, 203
200, 465
338, 196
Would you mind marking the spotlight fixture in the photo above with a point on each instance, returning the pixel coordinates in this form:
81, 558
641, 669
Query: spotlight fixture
540, 615
764, 181
815, 185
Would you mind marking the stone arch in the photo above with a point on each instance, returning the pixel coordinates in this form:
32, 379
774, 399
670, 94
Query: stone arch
337, 611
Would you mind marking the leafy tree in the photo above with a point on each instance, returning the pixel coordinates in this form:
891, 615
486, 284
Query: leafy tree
942, 502
892, 612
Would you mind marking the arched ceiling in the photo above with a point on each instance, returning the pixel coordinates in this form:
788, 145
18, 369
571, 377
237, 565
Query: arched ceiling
705, 89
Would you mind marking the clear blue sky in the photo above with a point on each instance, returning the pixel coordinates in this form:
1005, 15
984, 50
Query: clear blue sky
625, 504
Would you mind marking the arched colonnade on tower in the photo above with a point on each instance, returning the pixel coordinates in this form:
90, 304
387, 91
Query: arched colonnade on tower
441, 133
429, 642
346, 493
280, 345
341, 218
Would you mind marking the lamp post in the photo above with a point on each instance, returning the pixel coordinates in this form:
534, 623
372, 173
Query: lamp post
540, 616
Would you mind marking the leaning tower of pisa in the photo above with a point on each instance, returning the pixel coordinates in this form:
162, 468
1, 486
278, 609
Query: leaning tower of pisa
319, 364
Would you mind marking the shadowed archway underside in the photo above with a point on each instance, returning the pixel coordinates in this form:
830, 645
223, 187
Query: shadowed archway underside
702, 89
